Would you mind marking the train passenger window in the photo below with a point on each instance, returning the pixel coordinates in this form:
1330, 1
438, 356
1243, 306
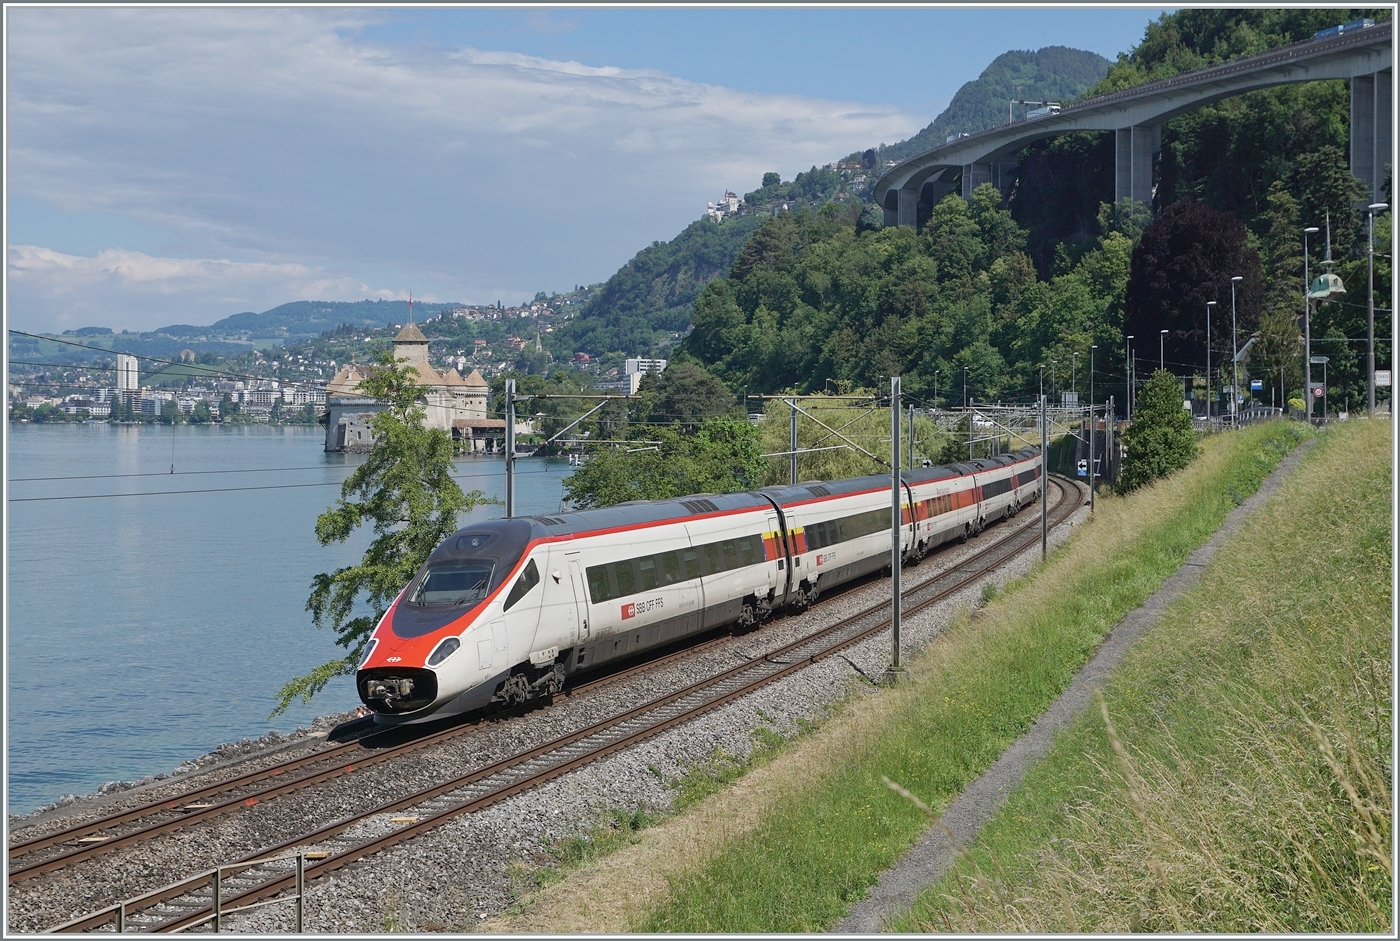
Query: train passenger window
671, 567
746, 551
626, 578
712, 563
598, 585
528, 579
731, 554
648, 566
692, 563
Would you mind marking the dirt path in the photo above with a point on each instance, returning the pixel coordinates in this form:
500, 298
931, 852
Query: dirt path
930, 858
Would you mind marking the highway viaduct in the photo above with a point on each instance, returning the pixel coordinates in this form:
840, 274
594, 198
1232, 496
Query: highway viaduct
1135, 117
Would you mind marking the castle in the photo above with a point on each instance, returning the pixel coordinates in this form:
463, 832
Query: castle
451, 403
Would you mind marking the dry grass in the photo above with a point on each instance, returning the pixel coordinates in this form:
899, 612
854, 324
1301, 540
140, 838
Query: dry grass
609, 895
1238, 774
1117, 568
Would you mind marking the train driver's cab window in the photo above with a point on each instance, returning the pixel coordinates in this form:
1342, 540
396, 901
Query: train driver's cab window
528, 579
453, 583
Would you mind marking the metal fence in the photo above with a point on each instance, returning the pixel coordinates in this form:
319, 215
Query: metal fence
120, 911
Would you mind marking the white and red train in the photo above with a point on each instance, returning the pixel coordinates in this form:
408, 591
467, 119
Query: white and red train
506, 610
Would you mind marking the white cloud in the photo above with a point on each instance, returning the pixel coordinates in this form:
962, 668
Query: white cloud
64, 291
273, 136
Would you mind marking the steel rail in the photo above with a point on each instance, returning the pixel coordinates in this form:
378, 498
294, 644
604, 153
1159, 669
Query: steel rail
1065, 508
335, 754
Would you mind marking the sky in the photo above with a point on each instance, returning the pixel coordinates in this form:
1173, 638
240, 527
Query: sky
178, 165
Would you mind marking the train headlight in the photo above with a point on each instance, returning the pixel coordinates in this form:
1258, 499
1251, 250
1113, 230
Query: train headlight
444, 650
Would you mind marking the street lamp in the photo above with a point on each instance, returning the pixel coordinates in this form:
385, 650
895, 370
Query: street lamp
964, 387
1371, 211
1162, 350
1091, 425
1074, 373
1307, 327
1234, 350
1128, 365
935, 391
1209, 305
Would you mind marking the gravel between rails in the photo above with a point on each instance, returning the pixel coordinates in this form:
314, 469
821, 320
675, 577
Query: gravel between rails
459, 874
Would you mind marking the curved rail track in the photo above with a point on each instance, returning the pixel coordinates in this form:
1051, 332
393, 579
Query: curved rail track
189, 902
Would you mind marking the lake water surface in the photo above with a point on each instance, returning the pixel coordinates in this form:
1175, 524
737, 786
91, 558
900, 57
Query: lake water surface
144, 629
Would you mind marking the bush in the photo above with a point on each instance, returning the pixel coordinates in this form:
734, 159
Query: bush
1160, 439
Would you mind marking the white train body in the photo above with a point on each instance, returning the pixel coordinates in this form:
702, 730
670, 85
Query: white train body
507, 610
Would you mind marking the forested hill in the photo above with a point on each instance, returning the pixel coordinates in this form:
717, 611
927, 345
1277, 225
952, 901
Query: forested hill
1055, 73
650, 297
993, 291
309, 318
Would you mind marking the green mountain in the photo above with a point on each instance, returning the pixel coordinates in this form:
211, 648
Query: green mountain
649, 299
308, 319
1055, 73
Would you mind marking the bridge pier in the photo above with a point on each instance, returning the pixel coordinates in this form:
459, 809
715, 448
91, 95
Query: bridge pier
1370, 130
1134, 149
973, 176
908, 211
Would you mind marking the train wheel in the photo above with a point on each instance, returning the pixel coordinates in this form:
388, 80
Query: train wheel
747, 620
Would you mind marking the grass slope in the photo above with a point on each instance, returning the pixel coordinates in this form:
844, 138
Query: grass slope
969, 695
1238, 779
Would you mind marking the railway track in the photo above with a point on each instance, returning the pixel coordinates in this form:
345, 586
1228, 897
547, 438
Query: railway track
189, 903
50, 851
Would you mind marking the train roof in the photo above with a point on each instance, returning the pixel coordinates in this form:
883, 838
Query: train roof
624, 515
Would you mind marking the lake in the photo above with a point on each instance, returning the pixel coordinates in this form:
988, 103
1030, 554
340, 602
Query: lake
145, 628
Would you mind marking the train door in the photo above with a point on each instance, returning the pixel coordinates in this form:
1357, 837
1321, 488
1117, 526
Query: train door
580, 607
779, 547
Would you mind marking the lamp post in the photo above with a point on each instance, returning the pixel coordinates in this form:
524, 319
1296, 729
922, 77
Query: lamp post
1074, 373
935, 392
1209, 305
1091, 427
968, 414
1371, 211
1234, 350
1128, 365
1307, 327
1162, 350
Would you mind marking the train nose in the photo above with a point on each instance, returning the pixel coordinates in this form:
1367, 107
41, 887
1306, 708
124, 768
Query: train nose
396, 691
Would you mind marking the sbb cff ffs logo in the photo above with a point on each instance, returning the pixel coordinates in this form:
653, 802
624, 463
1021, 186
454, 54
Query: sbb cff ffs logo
641, 607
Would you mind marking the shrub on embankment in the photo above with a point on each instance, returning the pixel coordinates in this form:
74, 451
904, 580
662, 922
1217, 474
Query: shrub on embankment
972, 692
1239, 778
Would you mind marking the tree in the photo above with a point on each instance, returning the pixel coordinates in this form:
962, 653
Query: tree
201, 414
686, 393
405, 491
170, 413
772, 179
723, 456
1186, 257
1160, 440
